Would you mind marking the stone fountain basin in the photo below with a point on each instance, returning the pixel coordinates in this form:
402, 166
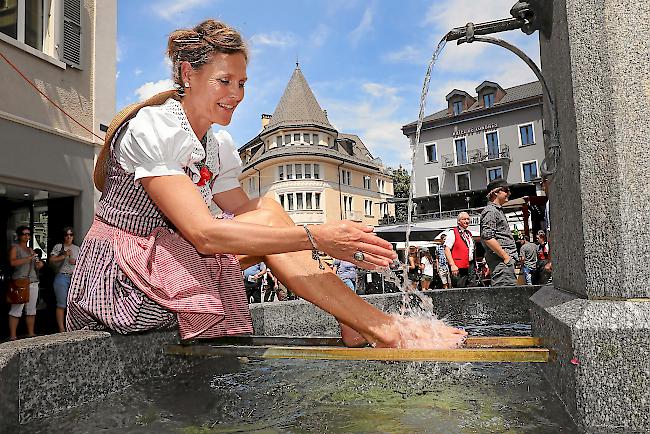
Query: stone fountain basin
50, 375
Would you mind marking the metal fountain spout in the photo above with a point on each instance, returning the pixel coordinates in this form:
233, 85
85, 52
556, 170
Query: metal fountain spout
529, 16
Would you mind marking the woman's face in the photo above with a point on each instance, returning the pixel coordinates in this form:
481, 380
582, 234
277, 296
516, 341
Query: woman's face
218, 87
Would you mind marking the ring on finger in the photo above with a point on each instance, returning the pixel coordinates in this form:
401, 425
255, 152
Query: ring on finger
359, 256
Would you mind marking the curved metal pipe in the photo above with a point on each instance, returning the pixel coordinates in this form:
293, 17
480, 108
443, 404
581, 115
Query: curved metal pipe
554, 146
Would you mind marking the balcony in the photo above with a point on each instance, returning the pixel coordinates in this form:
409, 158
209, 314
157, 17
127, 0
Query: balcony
476, 157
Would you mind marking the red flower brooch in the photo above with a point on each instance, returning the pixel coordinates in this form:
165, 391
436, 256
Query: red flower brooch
204, 173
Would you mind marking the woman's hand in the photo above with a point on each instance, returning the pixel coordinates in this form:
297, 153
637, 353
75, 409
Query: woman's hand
343, 239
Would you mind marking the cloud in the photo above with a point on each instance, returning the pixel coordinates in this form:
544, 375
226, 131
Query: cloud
137, 71
456, 13
171, 9
408, 54
364, 26
319, 36
151, 88
374, 115
274, 39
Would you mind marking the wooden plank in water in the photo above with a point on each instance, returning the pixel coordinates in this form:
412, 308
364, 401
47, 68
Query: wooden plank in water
287, 341
538, 355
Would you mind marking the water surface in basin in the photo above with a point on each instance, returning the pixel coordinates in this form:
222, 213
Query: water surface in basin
297, 396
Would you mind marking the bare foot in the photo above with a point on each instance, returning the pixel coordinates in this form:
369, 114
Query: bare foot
351, 338
422, 333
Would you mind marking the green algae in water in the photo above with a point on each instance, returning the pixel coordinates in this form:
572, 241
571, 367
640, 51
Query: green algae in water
302, 396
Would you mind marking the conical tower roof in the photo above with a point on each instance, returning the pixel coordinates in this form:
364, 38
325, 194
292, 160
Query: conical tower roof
298, 105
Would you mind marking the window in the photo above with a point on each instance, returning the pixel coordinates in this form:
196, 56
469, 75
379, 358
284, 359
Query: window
314, 139
280, 173
287, 139
346, 177
278, 141
289, 171
300, 201
492, 145
431, 153
316, 171
252, 185
433, 185
307, 171
458, 107
366, 182
383, 209
488, 100
528, 170
306, 137
381, 185
367, 207
347, 203
494, 173
526, 135
460, 148
296, 138
462, 181
298, 171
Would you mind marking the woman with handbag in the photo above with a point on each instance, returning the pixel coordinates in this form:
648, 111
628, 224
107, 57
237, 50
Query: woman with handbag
25, 263
63, 259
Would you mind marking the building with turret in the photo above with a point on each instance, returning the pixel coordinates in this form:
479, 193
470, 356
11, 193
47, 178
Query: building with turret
316, 172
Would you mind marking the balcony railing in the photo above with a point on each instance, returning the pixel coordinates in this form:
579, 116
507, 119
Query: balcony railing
475, 156
474, 214
355, 216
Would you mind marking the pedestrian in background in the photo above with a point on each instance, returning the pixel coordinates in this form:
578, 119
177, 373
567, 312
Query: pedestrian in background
427, 266
442, 266
26, 264
500, 248
253, 282
459, 250
63, 259
347, 272
528, 253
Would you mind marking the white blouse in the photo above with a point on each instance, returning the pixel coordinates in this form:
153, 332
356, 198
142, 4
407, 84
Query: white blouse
159, 141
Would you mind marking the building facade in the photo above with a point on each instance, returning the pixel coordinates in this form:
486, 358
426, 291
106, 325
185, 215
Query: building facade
67, 50
495, 133
317, 173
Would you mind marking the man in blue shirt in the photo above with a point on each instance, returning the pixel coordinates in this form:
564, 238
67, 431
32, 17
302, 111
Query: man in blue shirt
253, 282
347, 272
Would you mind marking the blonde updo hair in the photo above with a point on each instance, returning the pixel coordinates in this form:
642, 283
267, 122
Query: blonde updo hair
198, 45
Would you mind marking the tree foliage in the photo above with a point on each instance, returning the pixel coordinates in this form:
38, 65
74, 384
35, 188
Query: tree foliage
401, 185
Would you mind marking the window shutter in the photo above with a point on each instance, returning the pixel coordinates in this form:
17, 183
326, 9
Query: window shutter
72, 32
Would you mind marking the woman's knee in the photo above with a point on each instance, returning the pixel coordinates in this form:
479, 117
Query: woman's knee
263, 216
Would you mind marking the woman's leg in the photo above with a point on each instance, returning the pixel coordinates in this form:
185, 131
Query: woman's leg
61, 285
13, 325
30, 309
302, 275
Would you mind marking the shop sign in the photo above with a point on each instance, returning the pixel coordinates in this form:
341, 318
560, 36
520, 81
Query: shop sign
475, 130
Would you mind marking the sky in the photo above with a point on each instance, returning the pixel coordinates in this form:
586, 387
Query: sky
365, 60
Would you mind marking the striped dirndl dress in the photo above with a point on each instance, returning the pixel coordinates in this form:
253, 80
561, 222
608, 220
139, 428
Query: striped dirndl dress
134, 273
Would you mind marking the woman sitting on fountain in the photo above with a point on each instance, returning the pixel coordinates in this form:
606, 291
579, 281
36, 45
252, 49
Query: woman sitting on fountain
155, 257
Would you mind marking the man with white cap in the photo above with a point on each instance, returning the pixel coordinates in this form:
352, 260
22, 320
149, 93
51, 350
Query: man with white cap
496, 237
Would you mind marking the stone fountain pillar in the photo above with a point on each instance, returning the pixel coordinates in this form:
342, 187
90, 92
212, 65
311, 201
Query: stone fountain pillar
596, 316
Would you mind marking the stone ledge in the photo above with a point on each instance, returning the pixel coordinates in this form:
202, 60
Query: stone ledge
45, 375
607, 386
459, 305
